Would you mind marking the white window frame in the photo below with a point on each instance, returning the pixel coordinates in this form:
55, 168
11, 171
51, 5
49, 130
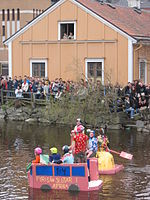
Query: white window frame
143, 60
94, 60
38, 61
66, 22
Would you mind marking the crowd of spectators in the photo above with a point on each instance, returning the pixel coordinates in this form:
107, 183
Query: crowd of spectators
133, 97
130, 98
42, 88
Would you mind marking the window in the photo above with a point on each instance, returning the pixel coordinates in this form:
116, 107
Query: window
54, 1
3, 15
67, 30
4, 69
143, 71
18, 14
38, 68
34, 13
95, 69
8, 15
13, 14
3, 30
37, 12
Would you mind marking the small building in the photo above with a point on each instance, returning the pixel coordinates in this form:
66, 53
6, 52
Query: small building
76, 39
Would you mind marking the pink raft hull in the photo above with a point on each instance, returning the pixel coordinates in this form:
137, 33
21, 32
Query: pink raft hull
115, 170
72, 177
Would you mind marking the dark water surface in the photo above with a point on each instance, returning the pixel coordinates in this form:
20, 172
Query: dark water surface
17, 143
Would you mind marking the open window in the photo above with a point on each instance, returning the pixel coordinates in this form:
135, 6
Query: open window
66, 30
95, 69
38, 68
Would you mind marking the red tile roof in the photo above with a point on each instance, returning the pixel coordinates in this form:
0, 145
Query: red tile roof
125, 18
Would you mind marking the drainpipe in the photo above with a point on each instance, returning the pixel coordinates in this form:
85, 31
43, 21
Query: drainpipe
139, 47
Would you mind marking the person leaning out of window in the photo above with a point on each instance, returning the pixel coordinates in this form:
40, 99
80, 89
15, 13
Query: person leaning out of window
71, 36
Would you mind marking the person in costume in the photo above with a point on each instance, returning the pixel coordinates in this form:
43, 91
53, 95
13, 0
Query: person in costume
37, 152
68, 157
92, 146
55, 156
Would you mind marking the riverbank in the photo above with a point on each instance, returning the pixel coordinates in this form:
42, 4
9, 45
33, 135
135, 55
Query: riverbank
66, 112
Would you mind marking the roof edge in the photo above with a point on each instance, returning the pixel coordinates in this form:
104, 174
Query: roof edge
142, 37
33, 21
106, 22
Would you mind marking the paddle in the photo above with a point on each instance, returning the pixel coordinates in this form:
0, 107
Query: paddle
122, 154
28, 166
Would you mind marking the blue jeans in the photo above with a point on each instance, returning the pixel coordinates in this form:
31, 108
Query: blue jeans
131, 110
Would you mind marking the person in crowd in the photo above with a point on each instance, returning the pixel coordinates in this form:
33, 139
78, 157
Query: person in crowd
92, 146
46, 90
4, 83
129, 106
25, 87
15, 83
39, 94
58, 94
55, 156
142, 102
142, 88
9, 86
68, 156
80, 145
20, 80
55, 87
37, 152
18, 92
128, 89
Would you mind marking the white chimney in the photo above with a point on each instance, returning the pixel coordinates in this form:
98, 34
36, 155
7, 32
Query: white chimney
134, 3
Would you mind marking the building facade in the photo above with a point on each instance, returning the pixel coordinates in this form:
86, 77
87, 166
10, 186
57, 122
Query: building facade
83, 39
14, 14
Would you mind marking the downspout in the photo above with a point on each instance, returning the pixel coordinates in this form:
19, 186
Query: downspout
139, 47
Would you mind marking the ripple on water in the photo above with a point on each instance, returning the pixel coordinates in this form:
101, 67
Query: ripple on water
16, 149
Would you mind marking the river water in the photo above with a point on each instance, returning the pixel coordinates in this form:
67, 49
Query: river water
17, 143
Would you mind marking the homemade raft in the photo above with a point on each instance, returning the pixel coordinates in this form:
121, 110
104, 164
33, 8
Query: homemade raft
72, 177
106, 163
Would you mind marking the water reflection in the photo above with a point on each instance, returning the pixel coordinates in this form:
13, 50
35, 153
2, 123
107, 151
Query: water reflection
18, 140
35, 194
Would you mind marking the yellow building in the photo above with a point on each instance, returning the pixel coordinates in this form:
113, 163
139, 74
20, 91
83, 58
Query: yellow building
83, 39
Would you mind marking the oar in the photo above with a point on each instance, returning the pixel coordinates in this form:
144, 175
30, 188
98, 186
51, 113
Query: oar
28, 166
123, 154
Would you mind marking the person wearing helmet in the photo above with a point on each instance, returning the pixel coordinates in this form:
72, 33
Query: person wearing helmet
67, 157
37, 152
55, 156
92, 147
